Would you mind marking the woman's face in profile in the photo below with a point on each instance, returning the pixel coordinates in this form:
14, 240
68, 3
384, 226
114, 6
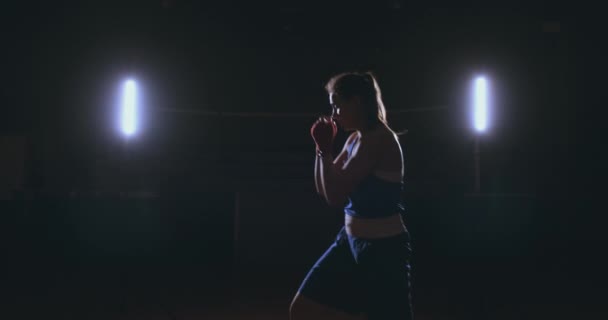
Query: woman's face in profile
344, 111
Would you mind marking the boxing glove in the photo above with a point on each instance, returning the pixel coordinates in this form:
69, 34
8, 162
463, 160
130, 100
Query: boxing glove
323, 132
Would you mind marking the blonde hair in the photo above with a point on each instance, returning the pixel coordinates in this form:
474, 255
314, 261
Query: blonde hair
365, 86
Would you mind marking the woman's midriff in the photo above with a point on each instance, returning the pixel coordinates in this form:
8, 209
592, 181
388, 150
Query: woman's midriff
374, 228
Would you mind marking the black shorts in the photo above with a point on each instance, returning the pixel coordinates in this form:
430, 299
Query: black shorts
370, 276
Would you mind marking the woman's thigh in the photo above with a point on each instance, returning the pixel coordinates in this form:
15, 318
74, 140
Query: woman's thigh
334, 279
385, 277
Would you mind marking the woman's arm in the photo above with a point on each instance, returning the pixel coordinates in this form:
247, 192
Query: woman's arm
339, 161
318, 182
339, 181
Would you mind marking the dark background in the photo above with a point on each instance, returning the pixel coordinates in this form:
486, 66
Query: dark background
97, 227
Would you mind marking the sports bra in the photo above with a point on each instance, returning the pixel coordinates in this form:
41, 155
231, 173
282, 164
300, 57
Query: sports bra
375, 197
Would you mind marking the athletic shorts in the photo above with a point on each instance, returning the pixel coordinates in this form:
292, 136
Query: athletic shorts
370, 276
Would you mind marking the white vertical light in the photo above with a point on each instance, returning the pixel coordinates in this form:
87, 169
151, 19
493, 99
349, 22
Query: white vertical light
480, 112
129, 108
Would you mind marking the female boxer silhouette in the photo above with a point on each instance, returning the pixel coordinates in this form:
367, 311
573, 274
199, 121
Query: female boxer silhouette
365, 272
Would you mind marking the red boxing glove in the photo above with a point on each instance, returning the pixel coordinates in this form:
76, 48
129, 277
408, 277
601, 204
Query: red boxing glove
323, 131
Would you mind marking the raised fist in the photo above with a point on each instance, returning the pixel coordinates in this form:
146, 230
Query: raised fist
323, 131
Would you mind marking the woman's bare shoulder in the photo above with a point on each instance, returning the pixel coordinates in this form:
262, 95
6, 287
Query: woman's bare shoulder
351, 137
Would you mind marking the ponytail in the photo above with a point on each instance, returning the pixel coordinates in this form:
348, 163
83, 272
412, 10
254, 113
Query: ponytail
365, 86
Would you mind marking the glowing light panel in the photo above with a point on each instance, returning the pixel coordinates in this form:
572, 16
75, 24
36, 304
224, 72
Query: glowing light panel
129, 108
480, 111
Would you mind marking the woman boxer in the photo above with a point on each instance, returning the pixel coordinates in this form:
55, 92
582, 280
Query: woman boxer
365, 273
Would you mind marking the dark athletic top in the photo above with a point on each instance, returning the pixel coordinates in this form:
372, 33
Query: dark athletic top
375, 197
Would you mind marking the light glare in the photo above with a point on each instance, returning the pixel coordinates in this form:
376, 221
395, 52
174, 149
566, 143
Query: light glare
481, 104
129, 105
